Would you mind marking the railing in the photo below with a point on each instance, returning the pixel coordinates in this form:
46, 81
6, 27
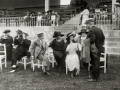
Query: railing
21, 21
107, 20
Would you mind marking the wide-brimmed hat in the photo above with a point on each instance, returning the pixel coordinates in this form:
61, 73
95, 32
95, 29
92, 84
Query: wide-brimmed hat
89, 20
19, 31
117, 4
25, 34
40, 34
57, 34
83, 31
71, 34
7, 31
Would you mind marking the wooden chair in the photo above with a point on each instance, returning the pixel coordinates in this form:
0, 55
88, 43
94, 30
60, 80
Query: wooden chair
102, 59
39, 64
24, 62
3, 55
51, 57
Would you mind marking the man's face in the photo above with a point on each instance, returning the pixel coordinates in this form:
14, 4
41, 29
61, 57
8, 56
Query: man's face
88, 25
41, 37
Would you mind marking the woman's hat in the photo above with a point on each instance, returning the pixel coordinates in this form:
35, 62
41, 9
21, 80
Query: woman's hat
19, 31
40, 34
83, 31
7, 31
57, 34
117, 4
89, 20
25, 34
71, 34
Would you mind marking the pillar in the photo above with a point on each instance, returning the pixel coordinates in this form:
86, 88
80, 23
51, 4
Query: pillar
47, 4
113, 6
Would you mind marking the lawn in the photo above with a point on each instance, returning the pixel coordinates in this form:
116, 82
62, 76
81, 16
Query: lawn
29, 80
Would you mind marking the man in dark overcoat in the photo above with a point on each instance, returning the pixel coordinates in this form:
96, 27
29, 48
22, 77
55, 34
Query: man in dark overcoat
96, 37
21, 44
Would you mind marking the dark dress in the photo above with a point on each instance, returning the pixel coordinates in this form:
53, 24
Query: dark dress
58, 52
8, 42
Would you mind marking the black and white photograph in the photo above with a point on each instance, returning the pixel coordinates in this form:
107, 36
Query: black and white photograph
59, 44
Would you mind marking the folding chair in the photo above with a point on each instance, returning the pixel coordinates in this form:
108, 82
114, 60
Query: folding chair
24, 62
102, 59
36, 64
67, 69
3, 55
51, 57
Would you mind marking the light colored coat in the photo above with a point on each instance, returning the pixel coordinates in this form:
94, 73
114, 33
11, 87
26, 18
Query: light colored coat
37, 48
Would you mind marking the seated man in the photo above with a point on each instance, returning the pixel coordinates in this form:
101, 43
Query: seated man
21, 47
38, 52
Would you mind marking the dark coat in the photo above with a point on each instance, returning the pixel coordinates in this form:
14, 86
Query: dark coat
22, 49
8, 42
96, 35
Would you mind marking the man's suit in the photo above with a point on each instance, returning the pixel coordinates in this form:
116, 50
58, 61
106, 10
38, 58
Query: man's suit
96, 36
21, 50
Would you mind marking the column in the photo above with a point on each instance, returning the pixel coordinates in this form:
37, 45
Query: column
47, 3
113, 6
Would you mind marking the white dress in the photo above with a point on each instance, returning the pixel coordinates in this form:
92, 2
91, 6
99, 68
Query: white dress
72, 60
85, 16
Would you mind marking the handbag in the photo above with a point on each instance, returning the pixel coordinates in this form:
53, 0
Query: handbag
93, 49
78, 52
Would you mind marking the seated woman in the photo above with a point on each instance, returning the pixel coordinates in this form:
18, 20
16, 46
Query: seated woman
8, 41
38, 51
72, 58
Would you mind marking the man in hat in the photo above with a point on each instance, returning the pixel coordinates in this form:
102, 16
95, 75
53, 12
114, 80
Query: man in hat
21, 45
38, 51
8, 41
97, 38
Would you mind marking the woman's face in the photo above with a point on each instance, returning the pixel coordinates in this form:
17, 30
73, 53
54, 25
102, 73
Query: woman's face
71, 37
8, 33
58, 37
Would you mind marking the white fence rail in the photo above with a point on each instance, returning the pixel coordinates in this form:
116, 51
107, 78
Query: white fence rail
106, 21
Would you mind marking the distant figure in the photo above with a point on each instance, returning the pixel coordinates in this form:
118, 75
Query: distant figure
57, 18
8, 41
39, 19
53, 18
85, 16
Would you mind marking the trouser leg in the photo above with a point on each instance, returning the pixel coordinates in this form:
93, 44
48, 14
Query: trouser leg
95, 61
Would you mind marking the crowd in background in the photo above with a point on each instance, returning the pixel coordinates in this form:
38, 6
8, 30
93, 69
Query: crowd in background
49, 18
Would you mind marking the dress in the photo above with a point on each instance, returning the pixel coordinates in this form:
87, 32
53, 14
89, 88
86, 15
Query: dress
72, 59
85, 16
58, 51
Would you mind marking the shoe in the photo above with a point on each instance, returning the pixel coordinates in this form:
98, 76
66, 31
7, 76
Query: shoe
71, 75
46, 73
92, 80
12, 71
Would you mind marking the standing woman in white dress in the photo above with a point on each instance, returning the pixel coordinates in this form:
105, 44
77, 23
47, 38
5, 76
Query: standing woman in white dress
85, 16
72, 59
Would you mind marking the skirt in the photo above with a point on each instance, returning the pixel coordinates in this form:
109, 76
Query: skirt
72, 62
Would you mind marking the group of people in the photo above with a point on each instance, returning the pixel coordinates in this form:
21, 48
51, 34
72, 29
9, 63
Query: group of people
84, 47
49, 18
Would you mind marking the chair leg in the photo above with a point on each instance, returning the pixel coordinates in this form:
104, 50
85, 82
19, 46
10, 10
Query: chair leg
0, 64
5, 63
105, 67
24, 64
38, 63
66, 70
33, 65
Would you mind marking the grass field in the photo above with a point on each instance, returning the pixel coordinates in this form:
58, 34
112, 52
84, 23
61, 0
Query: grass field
29, 80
